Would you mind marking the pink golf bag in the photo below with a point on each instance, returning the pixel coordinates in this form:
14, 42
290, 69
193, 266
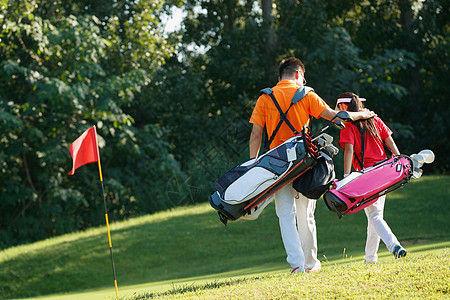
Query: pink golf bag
360, 189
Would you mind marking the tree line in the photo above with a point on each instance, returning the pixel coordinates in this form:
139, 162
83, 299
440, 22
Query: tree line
172, 108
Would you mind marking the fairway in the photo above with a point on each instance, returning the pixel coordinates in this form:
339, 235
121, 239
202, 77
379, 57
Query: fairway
189, 246
415, 250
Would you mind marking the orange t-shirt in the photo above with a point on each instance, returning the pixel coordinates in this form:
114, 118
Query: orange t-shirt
266, 113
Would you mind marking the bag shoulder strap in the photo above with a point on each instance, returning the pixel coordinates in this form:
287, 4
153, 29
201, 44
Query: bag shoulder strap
361, 162
299, 95
385, 148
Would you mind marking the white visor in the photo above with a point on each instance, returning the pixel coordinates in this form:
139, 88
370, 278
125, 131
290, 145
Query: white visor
345, 100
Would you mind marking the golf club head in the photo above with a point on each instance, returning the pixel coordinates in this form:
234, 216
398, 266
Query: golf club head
418, 160
339, 124
332, 149
344, 116
323, 139
417, 173
427, 155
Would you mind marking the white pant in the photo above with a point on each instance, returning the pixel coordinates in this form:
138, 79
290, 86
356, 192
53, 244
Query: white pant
298, 228
377, 228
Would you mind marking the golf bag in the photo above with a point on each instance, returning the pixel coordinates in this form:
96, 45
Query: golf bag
360, 189
245, 189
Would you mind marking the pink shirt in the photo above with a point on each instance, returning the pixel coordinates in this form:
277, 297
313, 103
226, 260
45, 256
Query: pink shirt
374, 150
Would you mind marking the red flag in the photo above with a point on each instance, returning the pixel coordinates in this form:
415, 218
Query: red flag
84, 150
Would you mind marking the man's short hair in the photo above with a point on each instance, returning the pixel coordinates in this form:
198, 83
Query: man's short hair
289, 66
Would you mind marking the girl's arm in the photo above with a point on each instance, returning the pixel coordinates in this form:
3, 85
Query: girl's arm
391, 145
348, 158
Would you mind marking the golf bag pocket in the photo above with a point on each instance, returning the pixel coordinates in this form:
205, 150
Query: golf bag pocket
255, 181
361, 189
245, 181
317, 180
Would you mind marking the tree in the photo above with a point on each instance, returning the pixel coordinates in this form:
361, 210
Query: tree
63, 70
378, 49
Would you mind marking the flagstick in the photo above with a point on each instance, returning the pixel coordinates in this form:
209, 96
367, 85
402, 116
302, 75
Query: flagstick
107, 226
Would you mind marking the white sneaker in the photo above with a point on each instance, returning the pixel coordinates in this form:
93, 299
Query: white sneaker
298, 270
315, 269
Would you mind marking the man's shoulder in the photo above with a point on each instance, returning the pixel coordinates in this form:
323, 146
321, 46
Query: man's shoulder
292, 88
311, 93
312, 97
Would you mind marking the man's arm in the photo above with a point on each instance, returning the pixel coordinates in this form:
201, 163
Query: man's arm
255, 140
329, 113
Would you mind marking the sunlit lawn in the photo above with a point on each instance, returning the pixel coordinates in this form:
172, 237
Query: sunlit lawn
190, 245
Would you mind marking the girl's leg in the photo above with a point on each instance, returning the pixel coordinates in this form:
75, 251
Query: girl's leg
377, 224
373, 239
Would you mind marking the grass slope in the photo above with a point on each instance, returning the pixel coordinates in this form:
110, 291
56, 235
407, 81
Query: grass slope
190, 242
419, 277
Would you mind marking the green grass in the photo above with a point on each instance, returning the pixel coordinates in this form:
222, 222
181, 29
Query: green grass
422, 277
189, 245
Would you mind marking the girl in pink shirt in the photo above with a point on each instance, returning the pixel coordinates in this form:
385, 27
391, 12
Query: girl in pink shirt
362, 141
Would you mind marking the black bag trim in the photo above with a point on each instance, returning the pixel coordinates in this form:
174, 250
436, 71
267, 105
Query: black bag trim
363, 142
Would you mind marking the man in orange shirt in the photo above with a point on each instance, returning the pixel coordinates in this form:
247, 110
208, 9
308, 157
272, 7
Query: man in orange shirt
295, 212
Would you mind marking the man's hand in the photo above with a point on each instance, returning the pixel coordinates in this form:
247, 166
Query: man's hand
367, 114
362, 114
